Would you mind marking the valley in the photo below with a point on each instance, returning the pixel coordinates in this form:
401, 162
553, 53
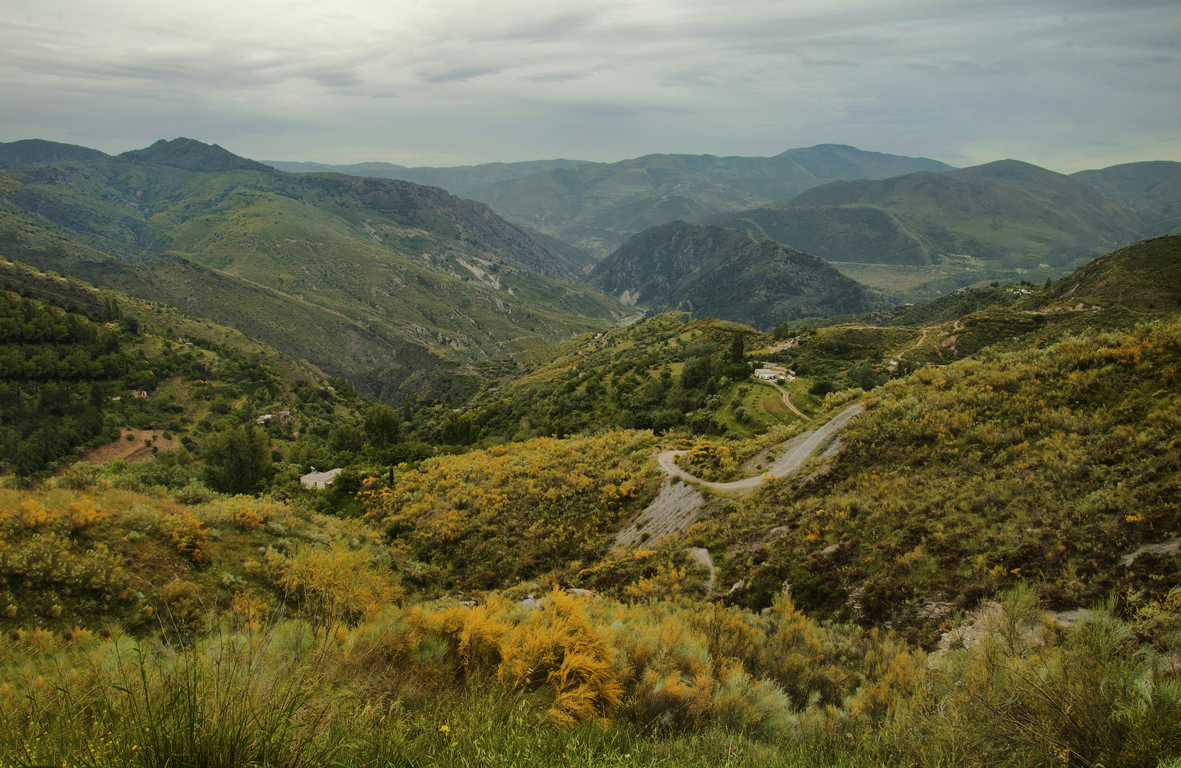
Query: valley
568, 522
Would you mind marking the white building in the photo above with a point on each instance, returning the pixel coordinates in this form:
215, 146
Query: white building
319, 480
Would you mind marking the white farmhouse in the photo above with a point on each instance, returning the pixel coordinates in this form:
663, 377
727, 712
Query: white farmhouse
319, 480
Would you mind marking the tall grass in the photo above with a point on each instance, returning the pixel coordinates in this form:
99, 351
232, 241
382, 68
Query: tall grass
233, 699
598, 683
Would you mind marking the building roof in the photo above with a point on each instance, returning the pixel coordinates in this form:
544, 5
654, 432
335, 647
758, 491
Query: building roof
320, 478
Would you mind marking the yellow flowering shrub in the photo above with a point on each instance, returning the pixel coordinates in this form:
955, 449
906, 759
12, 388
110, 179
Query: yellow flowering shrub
507, 513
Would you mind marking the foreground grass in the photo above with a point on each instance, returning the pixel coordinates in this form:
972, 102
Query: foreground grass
599, 684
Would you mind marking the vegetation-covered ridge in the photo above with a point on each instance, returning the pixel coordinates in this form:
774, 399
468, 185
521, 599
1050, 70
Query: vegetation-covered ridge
81, 368
660, 373
728, 274
390, 268
1054, 465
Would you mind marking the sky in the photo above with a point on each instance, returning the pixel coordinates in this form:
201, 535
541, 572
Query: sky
1066, 84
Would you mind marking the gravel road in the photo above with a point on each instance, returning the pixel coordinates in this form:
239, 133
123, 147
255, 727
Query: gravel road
799, 450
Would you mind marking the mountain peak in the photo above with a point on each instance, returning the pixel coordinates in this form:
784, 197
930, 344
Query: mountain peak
841, 161
1009, 170
193, 155
16, 154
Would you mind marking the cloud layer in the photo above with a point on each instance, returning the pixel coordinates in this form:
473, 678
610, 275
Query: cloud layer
417, 82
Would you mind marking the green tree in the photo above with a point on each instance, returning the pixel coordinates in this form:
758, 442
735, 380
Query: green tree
237, 460
346, 438
459, 430
737, 348
383, 426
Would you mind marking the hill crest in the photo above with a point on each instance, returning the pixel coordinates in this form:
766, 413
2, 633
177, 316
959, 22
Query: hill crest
26, 152
192, 155
728, 274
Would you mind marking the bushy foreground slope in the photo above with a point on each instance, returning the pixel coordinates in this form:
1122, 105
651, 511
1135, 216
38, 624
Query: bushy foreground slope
597, 683
1045, 464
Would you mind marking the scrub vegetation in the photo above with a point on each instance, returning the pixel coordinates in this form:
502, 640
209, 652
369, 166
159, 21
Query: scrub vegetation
980, 569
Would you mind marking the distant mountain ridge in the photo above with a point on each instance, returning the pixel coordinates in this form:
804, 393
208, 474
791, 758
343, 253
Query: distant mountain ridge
16, 154
597, 206
1152, 189
1006, 211
455, 179
727, 274
192, 155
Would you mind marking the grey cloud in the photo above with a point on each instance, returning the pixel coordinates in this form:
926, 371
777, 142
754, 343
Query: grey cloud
1143, 62
557, 77
459, 74
514, 79
558, 27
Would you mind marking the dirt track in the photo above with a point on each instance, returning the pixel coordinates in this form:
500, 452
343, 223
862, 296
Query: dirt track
787, 399
799, 450
679, 504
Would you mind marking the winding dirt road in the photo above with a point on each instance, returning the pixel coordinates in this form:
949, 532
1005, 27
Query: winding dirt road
679, 504
799, 450
919, 343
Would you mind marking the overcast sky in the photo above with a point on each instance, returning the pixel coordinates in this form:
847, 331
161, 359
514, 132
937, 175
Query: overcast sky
447, 82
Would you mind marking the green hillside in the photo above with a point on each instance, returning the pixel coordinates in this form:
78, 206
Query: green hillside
359, 276
1152, 189
388, 367
659, 373
597, 206
72, 359
917, 235
728, 274
1144, 277
455, 179
980, 569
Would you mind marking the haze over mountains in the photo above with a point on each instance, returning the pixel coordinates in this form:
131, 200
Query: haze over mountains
597, 206
455, 179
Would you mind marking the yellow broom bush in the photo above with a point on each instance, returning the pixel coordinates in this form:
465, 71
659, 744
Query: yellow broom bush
559, 650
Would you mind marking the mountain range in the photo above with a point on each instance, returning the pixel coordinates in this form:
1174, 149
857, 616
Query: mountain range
597, 206
455, 179
406, 288
1007, 211
303, 262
